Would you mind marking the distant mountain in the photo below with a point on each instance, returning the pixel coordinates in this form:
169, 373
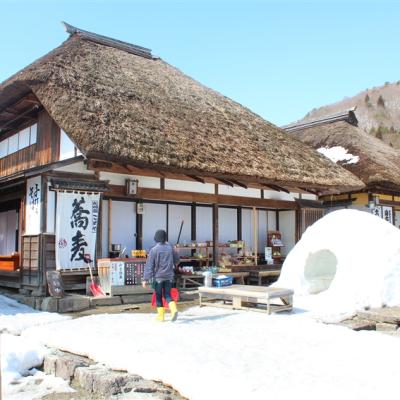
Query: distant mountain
377, 111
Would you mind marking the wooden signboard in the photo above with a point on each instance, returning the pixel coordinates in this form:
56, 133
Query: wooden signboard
55, 284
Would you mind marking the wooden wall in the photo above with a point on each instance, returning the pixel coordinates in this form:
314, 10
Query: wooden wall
45, 151
48, 141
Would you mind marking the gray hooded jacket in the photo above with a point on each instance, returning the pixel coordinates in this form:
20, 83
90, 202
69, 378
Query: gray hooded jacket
160, 262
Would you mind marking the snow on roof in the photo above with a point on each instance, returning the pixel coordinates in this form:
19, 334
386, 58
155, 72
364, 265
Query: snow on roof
347, 260
338, 153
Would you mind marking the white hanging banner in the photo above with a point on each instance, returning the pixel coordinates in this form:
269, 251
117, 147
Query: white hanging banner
33, 205
76, 229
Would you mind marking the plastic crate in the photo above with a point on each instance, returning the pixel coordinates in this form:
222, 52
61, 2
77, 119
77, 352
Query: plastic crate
220, 282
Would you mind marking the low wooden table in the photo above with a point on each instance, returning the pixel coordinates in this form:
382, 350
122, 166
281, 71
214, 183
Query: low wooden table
257, 276
239, 294
198, 280
183, 280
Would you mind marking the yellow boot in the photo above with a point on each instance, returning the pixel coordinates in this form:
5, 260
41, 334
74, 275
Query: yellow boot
174, 310
160, 314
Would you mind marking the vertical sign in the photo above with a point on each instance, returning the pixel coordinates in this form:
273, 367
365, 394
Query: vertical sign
383, 212
387, 214
33, 205
76, 229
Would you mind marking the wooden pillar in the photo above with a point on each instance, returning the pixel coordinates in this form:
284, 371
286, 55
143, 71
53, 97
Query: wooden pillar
99, 234
239, 223
193, 222
255, 235
215, 234
109, 235
277, 220
139, 230
167, 220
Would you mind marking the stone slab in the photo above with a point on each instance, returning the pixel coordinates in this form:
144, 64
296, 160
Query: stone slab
105, 301
49, 304
49, 364
383, 326
390, 315
359, 324
67, 364
28, 301
136, 298
73, 303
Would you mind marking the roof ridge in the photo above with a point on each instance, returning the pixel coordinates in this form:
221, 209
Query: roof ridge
107, 41
348, 116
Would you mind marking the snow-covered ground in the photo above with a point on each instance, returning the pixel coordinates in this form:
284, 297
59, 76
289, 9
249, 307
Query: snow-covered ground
221, 354
215, 354
20, 355
15, 317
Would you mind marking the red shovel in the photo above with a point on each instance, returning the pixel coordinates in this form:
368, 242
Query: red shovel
96, 289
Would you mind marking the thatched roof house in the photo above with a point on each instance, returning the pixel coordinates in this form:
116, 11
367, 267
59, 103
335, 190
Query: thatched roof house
118, 102
370, 159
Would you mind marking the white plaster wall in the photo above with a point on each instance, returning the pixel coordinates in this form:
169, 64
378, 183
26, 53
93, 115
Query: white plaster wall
189, 186
154, 218
227, 224
238, 191
8, 227
120, 179
274, 195
271, 221
176, 214
262, 230
203, 223
104, 229
248, 229
287, 226
78, 167
51, 211
123, 220
309, 196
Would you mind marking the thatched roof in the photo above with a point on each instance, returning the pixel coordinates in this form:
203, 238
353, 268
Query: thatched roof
374, 162
121, 106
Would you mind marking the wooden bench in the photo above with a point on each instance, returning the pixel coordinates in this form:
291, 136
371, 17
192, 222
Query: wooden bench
275, 299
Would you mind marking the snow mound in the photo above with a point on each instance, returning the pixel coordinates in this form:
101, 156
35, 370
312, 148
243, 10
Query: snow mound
18, 356
348, 260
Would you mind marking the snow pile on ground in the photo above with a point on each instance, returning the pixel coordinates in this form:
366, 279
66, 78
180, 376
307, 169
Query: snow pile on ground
15, 317
221, 354
18, 356
351, 258
339, 153
19, 378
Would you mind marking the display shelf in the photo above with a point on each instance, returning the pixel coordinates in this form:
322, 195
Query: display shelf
274, 241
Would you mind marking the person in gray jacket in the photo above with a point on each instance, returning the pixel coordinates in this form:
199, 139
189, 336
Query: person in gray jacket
159, 269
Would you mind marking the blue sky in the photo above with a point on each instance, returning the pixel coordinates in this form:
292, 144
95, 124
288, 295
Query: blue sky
279, 58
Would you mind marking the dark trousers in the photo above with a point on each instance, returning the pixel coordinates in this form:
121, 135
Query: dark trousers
163, 289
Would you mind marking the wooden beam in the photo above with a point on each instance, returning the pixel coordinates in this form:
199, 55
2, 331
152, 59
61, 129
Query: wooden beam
196, 178
179, 173
225, 182
237, 183
278, 188
190, 197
